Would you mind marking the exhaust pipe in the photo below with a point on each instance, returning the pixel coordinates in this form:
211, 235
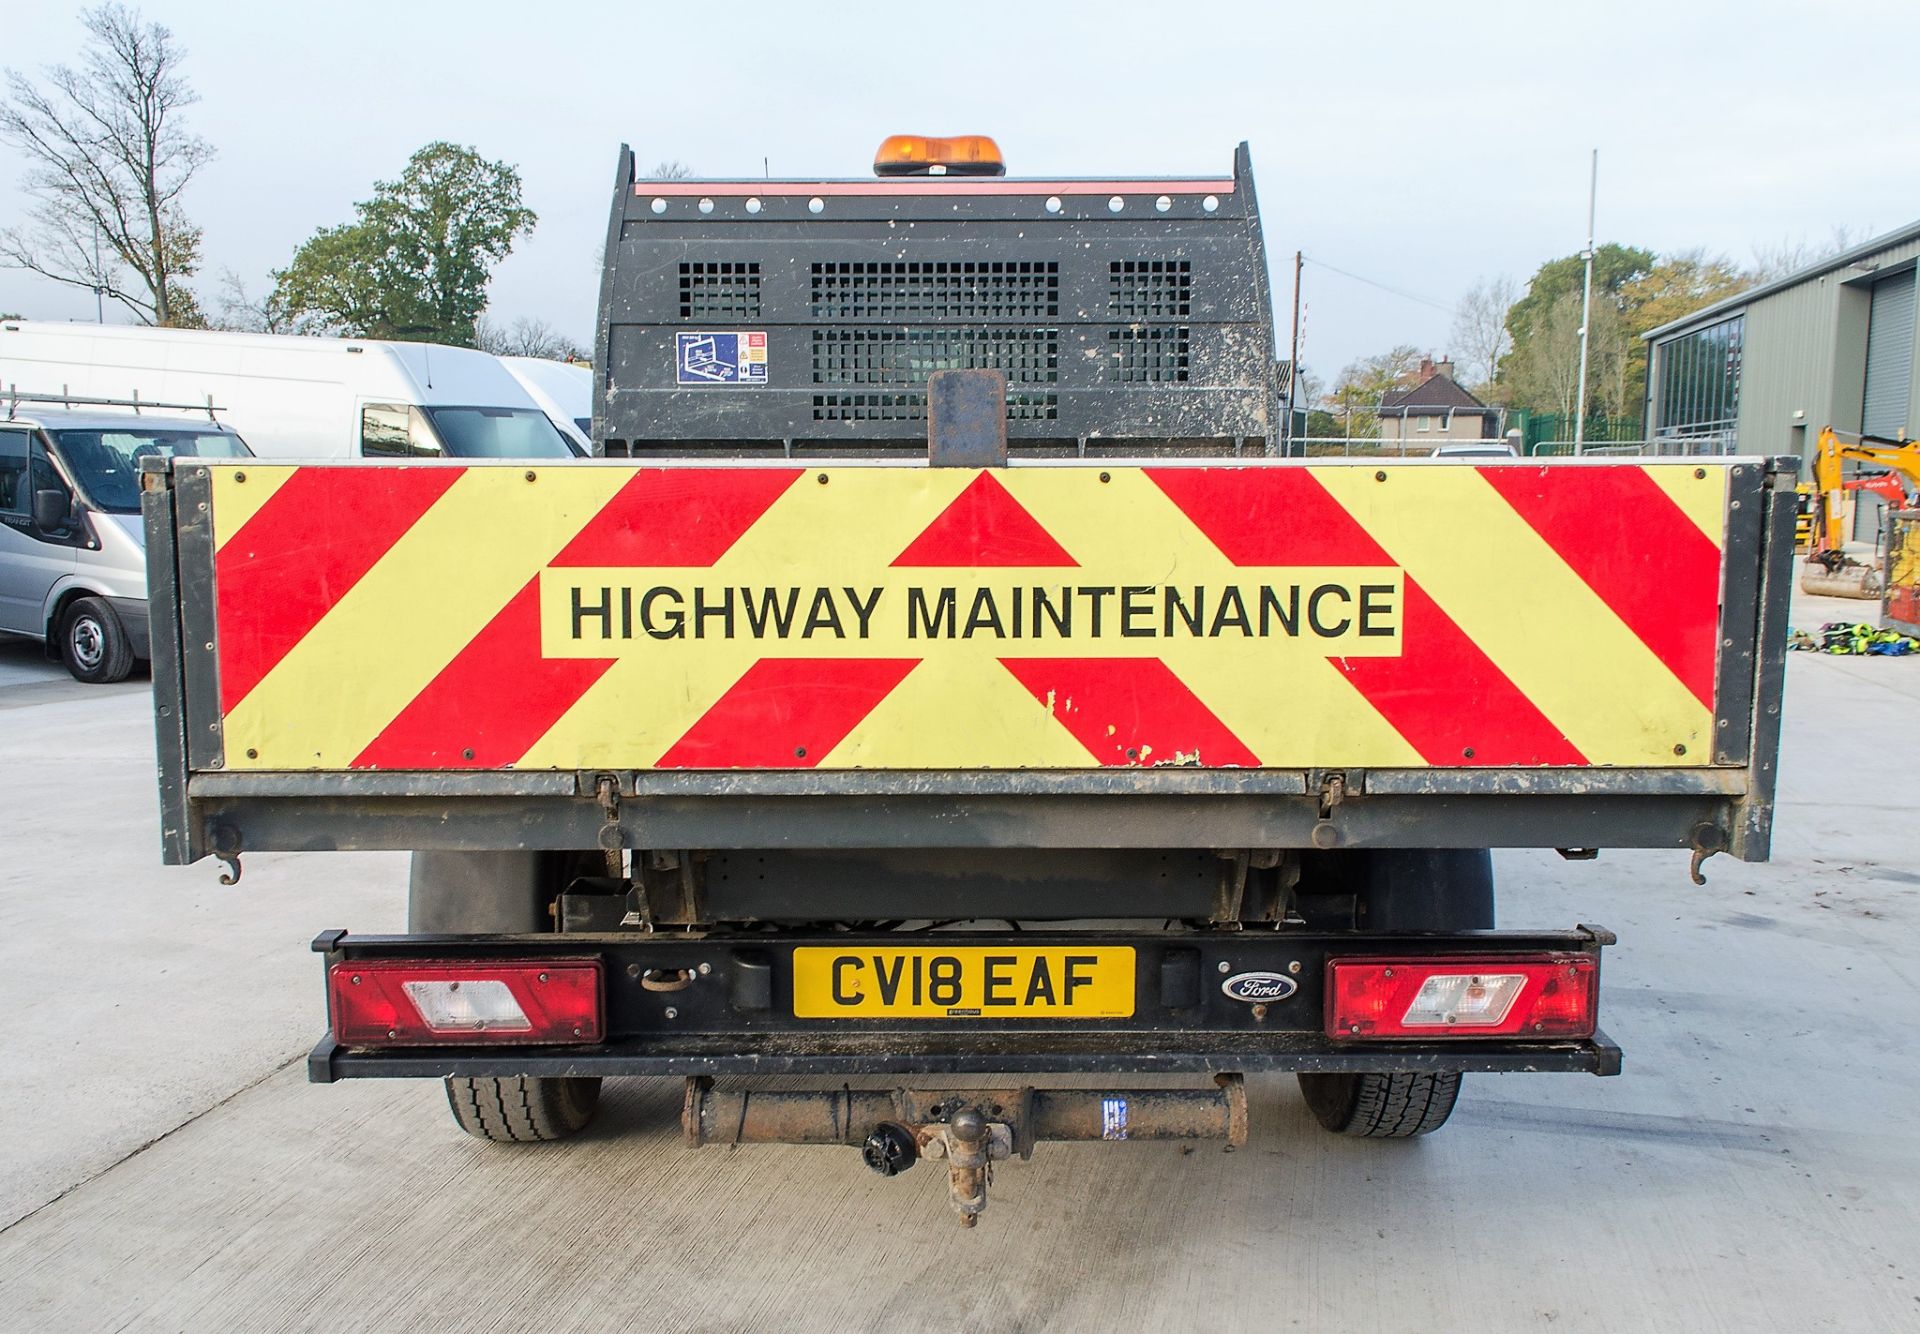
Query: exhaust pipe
970, 1128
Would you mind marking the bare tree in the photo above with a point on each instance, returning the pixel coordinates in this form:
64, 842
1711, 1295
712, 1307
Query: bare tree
673, 169
239, 311
1790, 254
527, 338
107, 162
1480, 327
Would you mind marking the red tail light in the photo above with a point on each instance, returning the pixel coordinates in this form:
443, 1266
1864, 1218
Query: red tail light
402, 1002
1481, 996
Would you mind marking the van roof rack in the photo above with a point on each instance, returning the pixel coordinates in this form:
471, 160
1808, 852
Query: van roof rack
15, 396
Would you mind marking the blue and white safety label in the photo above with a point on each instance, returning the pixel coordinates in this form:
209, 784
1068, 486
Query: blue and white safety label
735, 358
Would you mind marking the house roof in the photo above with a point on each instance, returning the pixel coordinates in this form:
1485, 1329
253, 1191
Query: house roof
1845, 259
1434, 396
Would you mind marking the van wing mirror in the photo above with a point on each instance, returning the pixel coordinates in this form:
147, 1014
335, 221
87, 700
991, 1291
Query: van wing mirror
52, 510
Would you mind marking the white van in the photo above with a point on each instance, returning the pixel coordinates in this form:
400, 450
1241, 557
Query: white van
564, 391
73, 554
308, 398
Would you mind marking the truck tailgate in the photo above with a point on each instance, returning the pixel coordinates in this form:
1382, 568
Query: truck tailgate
1578, 630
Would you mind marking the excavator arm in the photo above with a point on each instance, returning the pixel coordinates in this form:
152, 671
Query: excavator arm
1829, 569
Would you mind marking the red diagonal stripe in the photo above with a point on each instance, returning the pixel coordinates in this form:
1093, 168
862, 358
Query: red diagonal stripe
984, 526
1269, 516
489, 705
1131, 711
1636, 549
685, 517
787, 713
300, 553
1446, 697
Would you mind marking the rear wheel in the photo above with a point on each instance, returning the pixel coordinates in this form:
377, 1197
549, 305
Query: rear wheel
473, 893
93, 643
521, 1110
1439, 889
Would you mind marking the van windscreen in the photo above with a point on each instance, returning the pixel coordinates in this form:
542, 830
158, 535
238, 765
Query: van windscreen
106, 463
498, 433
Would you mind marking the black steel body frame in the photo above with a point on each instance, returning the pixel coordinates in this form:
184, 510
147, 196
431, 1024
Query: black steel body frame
1726, 807
732, 1010
1126, 314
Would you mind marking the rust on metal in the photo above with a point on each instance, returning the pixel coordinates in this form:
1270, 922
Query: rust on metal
970, 1128
967, 419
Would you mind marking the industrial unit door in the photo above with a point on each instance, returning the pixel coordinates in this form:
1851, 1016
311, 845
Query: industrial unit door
1883, 407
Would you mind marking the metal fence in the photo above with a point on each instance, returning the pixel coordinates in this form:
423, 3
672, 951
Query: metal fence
1678, 447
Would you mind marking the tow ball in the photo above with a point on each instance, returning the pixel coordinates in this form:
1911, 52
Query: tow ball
971, 1129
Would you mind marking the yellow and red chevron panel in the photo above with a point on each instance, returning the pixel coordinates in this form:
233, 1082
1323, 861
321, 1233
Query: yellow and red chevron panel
613, 616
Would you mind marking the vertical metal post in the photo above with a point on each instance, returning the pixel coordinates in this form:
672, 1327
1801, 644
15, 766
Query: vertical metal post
1293, 363
1586, 310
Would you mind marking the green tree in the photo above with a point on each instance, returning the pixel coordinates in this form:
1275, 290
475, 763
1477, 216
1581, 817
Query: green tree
1633, 291
1672, 289
1614, 266
415, 261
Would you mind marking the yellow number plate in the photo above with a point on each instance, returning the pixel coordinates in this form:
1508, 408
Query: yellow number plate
964, 982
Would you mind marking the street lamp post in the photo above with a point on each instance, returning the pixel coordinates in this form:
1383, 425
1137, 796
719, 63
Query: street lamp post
1586, 309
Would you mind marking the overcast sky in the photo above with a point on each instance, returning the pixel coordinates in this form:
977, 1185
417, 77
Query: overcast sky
1423, 146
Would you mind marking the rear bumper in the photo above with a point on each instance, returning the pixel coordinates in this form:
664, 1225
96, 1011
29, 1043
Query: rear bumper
733, 1015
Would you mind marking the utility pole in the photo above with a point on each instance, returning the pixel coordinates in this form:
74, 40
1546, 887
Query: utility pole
1293, 362
1586, 309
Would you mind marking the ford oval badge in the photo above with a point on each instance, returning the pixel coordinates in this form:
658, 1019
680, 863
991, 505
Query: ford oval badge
1259, 988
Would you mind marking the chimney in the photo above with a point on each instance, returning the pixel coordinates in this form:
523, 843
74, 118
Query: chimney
1426, 370
1444, 366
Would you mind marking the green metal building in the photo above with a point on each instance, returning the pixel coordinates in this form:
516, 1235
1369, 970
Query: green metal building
1763, 371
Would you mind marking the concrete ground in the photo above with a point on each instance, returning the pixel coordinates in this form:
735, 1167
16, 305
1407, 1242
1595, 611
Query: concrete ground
163, 1164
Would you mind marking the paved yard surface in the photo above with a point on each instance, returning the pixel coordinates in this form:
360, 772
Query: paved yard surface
163, 1164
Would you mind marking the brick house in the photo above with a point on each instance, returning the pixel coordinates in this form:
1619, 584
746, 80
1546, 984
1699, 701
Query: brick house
1436, 409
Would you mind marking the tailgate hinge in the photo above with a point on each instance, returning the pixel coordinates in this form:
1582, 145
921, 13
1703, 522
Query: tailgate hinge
1333, 790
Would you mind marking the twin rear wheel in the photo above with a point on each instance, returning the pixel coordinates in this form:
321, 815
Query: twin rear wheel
476, 893
522, 1110
1444, 889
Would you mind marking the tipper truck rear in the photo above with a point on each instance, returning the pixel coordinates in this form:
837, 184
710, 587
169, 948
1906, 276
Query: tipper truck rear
945, 673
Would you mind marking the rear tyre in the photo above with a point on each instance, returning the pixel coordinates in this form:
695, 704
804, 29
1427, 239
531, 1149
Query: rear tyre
1381, 1106
93, 644
522, 1110
475, 893
1407, 889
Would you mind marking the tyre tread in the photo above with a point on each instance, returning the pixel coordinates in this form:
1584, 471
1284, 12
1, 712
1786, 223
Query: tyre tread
522, 1109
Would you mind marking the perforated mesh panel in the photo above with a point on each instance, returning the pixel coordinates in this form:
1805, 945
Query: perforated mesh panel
1156, 355
720, 290
1149, 288
936, 290
901, 360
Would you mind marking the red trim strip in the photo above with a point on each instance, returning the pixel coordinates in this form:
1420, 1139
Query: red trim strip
1450, 701
984, 526
676, 517
928, 185
787, 713
1131, 712
301, 552
489, 705
1636, 549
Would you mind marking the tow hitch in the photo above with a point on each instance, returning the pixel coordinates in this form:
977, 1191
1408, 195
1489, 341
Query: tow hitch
972, 1129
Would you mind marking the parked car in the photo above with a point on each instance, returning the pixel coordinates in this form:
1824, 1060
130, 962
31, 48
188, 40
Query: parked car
305, 398
1476, 449
564, 391
73, 567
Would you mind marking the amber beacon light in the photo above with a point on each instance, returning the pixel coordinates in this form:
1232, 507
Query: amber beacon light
917, 155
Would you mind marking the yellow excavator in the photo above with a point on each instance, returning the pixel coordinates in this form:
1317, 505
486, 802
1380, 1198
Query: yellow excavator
1830, 571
